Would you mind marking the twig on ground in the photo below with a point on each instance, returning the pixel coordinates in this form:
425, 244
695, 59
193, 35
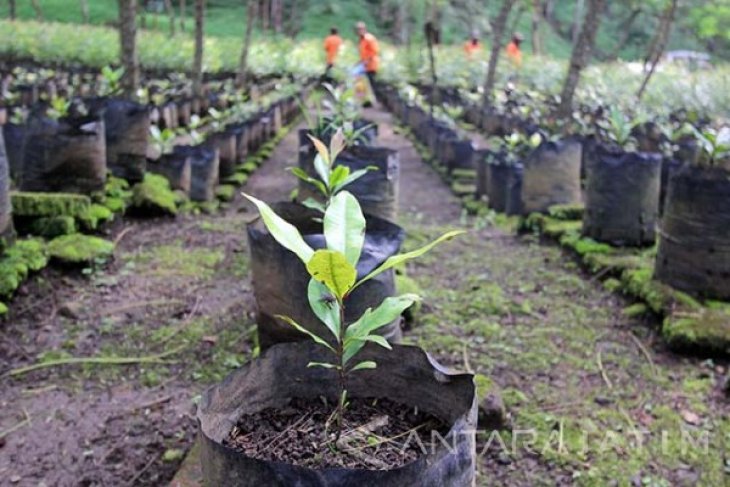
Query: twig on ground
26, 421
183, 324
143, 470
644, 351
362, 432
467, 364
121, 235
150, 359
603, 371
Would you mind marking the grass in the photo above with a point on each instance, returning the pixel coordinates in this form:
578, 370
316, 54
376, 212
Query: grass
591, 400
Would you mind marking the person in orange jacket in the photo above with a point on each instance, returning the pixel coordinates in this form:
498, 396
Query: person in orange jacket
513, 50
369, 51
472, 46
332, 45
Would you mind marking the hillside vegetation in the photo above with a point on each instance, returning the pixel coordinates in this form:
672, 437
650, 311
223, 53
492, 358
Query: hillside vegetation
627, 27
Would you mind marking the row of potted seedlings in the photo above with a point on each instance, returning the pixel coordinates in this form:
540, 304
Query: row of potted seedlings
333, 399
641, 181
68, 146
63, 158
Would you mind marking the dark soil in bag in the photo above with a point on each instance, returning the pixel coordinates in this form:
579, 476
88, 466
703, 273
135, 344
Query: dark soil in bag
65, 155
278, 401
204, 170
126, 125
298, 434
552, 175
622, 196
694, 246
14, 136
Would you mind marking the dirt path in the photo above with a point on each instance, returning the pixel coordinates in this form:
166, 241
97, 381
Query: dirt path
557, 344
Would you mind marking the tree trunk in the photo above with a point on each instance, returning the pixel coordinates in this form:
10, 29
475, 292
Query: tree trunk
38, 10
171, 14
625, 30
265, 14
84, 11
11, 5
665, 27
581, 52
400, 24
197, 75
128, 39
536, 17
277, 14
182, 15
292, 27
577, 15
497, 34
243, 62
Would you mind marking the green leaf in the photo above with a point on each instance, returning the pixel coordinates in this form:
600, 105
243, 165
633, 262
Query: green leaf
351, 179
283, 232
371, 320
313, 336
323, 170
344, 226
368, 364
401, 258
324, 306
380, 340
332, 269
313, 204
301, 174
323, 365
339, 174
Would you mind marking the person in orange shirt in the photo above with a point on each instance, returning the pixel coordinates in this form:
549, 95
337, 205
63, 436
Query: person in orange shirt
472, 46
332, 45
369, 51
513, 50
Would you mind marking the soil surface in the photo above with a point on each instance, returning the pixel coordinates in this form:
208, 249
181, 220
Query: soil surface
593, 397
376, 434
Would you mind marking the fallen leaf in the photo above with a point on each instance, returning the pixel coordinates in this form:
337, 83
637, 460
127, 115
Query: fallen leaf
690, 417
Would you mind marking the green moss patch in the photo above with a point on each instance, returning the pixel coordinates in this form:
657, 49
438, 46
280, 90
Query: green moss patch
567, 212
462, 189
236, 179
706, 329
27, 204
94, 216
154, 197
249, 167
52, 226
225, 192
79, 249
19, 260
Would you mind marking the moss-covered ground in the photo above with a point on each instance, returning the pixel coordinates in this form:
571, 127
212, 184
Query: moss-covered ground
593, 394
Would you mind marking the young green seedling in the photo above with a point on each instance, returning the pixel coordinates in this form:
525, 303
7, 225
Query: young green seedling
331, 179
333, 272
714, 145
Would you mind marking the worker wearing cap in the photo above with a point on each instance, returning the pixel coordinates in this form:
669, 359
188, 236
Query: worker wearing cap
472, 47
369, 51
332, 45
514, 54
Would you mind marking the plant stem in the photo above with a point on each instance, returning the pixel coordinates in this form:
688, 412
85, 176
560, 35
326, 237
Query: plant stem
341, 372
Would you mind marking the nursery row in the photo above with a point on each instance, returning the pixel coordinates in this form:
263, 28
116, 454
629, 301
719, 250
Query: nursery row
75, 171
323, 268
651, 211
